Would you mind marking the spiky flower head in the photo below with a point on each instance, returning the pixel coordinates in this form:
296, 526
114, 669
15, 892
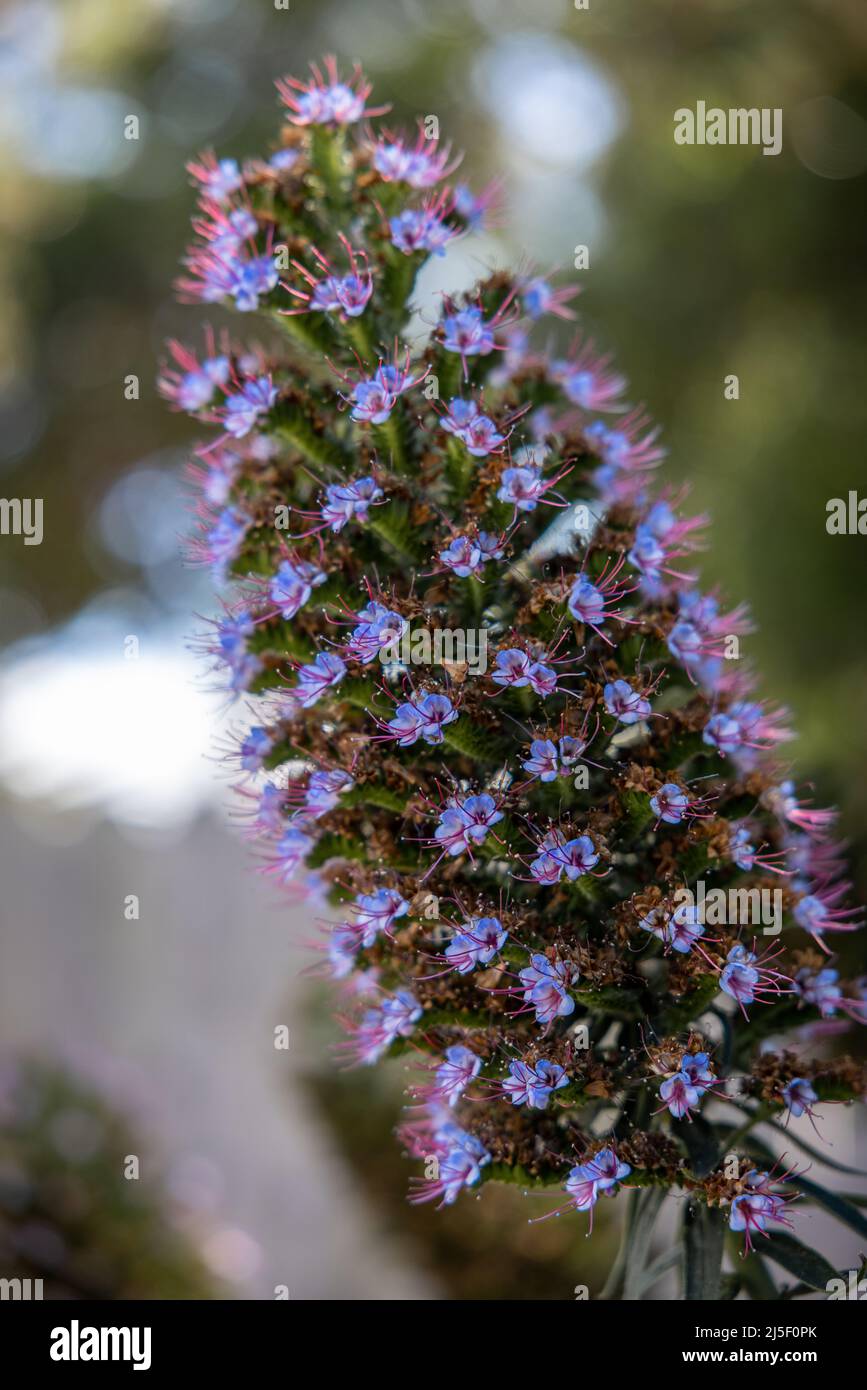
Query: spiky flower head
495, 724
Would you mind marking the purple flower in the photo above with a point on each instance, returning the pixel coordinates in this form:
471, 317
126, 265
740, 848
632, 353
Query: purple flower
461, 1066
421, 229
324, 789
587, 382
436, 711
255, 748
817, 912
819, 988
477, 944
490, 545
251, 279
571, 749
670, 804
745, 977
378, 911
628, 706
574, 857
481, 814
680, 931
420, 167
587, 1182
407, 724
466, 823
372, 401
379, 627
195, 389
522, 487
458, 416
606, 1169
400, 1014
293, 846
374, 398
542, 762
538, 298
394, 1018
347, 295
746, 726
292, 585
722, 733
451, 831
225, 538
460, 1159
752, 1210
217, 180
696, 1066
343, 501
243, 409
532, 1085
511, 668
799, 1096
679, 1094
344, 943
462, 557
424, 717
586, 602
542, 679
283, 160
467, 334
481, 436
545, 985
320, 675
325, 100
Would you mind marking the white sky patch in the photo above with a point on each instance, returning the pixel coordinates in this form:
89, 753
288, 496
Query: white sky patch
134, 739
551, 101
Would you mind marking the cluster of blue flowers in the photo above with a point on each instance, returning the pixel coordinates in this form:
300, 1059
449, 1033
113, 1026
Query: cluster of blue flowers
489, 899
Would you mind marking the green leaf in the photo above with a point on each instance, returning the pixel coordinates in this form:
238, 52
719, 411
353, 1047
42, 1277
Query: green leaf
514, 1173
393, 442
620, 1003
474, 742
335, 847
638, 813
357, 691
764, 1023
640, 1235
459, 469
398, 279
310, 332
702, 1143
703, 1235
392, 526
691, 1006
754, 1273
374, 794
669, 1259
813, 1152
807, 1265
832, 1202
294, 427
329, 162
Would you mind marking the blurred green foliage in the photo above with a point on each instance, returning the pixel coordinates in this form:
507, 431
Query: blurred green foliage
68, 1215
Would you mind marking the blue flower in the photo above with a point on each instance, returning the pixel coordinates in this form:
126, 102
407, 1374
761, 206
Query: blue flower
477, 944
532, 1085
